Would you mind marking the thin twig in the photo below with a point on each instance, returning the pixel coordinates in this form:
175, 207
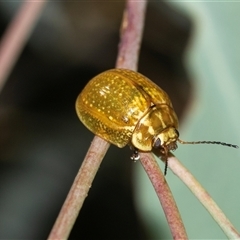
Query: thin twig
128, 58
203, 197
16, 36
165, 196
79, 189
131, 33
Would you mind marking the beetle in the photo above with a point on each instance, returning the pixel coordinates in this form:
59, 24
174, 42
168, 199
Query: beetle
124, 107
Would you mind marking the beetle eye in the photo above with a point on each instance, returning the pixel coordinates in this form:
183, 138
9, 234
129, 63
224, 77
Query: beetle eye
177, 132
157, 143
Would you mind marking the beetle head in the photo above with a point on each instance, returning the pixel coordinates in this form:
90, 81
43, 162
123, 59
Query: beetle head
166, 140
156, 129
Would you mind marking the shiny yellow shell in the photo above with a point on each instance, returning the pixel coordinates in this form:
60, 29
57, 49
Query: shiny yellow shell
124, 107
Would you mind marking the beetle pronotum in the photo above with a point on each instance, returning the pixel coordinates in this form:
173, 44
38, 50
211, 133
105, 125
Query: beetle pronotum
124, 107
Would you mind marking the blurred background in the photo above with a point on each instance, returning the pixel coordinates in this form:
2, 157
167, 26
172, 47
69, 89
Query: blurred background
190, 49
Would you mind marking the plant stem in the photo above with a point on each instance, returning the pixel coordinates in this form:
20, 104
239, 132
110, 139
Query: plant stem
131, 34
203, 197
165, 196
130, 42
79, 189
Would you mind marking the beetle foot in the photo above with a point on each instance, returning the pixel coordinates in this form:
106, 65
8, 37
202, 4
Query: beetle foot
135, 156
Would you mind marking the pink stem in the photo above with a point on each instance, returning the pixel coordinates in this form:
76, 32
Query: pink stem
203, 197
165, 196
131, 32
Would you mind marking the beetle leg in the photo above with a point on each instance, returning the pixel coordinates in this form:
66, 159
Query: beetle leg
135, 156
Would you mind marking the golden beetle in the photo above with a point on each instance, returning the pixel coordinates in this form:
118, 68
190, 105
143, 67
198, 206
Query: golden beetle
124, 107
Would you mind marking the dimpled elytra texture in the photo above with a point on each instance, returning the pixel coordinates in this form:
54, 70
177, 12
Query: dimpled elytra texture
112, 104
155, 93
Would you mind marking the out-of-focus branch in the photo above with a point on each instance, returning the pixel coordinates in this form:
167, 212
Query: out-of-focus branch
16, 36
131, 36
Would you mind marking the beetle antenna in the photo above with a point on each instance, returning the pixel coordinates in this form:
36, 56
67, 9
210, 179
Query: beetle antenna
209, 142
